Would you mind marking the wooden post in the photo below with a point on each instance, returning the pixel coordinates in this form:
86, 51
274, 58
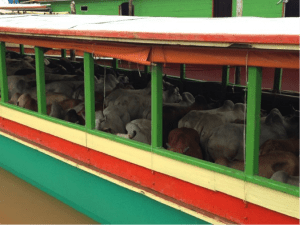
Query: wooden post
89, 90
239, 8
156, 106
3, 74
40, 80
253, 120
130, 8
277, 80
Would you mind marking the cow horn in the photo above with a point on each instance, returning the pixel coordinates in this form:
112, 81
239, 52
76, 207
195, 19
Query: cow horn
186, 149
168, 145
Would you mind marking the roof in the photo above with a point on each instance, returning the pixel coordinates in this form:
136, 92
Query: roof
237, 32
24, 7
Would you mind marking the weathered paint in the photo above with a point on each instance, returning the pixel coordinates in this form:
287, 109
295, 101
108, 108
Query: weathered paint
209, 200
85, 192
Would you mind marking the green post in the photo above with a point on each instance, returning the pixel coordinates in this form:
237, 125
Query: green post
237, 75
40, 80
146, 69
277, 80
156, 106
63, 53
89, 90
115, 64
253, 120
22, 50
3, 75
225, 79
182, 72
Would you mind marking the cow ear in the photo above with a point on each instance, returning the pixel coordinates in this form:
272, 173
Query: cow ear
274, 117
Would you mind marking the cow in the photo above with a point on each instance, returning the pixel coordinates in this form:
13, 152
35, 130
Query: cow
268, 164
288, 145
228, 140
204, 121
185, 141
113, 118
140, 130
284, 177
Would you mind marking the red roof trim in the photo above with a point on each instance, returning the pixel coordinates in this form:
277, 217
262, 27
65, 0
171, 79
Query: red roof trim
227, 38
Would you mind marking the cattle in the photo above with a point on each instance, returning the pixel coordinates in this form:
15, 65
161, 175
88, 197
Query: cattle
228, 140
204, 121
288, 145
268, 164
140, 130
18, 67
284, 177
185, 141
25, 101
113, 118
14, 99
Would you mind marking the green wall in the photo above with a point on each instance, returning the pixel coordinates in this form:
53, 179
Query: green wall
170, 8
173, 8
259, 8
97, 198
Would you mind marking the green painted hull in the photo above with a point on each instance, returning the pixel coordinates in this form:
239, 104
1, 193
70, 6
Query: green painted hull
97, 198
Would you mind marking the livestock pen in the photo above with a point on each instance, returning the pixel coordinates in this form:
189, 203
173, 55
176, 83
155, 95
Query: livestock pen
116, 180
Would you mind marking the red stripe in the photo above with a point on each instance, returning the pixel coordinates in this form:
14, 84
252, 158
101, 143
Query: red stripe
231, 38
217, 203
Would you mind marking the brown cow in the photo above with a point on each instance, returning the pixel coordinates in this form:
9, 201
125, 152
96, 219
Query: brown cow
285, 145
268, 164
185, 141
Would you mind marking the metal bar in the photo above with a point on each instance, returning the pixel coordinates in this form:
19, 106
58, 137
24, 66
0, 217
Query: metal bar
253, 120
225, 79
115, 64
156, 106
40, 80
277, 80
64, 53
89, 90
22, 50
3, 74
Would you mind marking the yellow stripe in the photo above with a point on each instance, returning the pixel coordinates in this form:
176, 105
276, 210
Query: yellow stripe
58, 130
117, 182
211, 180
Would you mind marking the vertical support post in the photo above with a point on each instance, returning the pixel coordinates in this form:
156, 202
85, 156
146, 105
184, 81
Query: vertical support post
239, 8
115, 64
225, 79
22, 50
63, 53
130, 11
89, 90
182, 76
156, 105
146, 69
40, 80
277, 80
73, 11
253, 120
237, 75
3, 74
182, 72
